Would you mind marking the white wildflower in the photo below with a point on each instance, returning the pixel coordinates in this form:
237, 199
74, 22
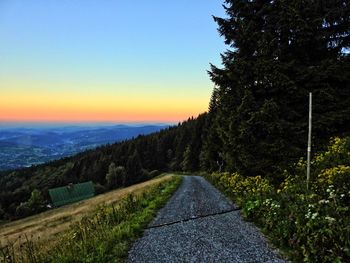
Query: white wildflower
267, 202
308, 214
314, 215
330, 219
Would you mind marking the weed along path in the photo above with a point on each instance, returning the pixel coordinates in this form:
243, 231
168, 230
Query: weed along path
49, 224
199, 224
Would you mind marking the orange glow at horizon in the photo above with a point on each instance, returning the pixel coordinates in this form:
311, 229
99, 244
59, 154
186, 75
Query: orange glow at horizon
62, 116
76, 107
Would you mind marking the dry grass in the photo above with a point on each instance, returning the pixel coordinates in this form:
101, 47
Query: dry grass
47, 225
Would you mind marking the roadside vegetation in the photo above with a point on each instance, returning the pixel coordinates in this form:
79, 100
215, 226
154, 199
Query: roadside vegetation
48, 224
257, 116
256, 124
309, 225
104, 236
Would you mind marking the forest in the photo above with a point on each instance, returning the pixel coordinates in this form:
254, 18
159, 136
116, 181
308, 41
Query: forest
256, 124
25, 191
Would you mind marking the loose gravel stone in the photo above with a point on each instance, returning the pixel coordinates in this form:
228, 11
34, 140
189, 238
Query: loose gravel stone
215, 238
194, 198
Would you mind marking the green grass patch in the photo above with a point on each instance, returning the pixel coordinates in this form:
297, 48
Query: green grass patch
107, 235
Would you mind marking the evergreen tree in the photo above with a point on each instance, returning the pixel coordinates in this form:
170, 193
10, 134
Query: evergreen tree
210, 157
2, 213
280, 51
35, 204
187, 163
112, 176
156, 152
134, 168
121, 175
36, 201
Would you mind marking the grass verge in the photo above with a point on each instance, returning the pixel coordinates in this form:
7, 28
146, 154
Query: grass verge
308, 225
47, 225
104, 236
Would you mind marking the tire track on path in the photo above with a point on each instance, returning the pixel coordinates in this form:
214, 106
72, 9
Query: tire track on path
199, 224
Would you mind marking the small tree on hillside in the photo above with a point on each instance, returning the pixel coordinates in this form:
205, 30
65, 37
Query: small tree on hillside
134, 167
187, 163
116, 176
35, 204
121, 175
2, 213
111, 176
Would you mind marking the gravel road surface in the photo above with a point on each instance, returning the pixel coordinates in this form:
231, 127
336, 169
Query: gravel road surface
199, 224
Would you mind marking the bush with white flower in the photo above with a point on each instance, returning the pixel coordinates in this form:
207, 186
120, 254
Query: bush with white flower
311, 225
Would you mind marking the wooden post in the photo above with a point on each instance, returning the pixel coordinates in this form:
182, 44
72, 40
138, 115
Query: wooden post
309, 143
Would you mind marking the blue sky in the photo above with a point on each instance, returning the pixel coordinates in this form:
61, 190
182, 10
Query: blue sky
121, 49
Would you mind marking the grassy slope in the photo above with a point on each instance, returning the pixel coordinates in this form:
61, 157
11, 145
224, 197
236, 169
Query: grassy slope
107, 235
49, 224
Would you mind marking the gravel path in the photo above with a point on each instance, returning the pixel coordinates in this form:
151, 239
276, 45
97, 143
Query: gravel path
199, 224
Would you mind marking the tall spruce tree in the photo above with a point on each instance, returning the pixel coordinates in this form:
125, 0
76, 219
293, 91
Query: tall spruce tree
210, 156
278, 52
134, 167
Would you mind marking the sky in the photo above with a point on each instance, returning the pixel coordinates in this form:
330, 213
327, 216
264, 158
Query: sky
106, 60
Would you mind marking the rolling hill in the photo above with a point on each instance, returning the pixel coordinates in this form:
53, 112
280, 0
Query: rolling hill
24, 147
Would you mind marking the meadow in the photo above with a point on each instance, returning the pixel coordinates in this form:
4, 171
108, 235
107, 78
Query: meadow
34, 239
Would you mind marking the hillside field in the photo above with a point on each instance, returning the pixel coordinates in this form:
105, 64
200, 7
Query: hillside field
47, 225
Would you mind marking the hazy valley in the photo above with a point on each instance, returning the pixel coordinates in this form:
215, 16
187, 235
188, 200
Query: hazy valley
24, 147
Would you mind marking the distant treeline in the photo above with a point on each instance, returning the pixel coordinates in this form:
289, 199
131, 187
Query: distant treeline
173, 149
278, 52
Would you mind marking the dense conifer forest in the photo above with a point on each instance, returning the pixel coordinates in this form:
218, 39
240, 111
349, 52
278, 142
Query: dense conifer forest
256, 124
173, 149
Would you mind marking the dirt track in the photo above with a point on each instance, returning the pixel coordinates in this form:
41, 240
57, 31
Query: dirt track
199, 224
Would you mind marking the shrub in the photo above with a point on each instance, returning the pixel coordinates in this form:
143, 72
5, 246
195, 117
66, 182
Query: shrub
154, 173
241, 188
35, 204
116, 176
145, 175
313, 225
23, 210
99, 189
2, 213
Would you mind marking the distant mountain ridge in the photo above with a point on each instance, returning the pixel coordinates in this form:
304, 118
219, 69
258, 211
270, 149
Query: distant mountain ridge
23, 147
146, 156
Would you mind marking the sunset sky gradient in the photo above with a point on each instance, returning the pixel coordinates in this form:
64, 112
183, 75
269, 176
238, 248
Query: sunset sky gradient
106, 61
